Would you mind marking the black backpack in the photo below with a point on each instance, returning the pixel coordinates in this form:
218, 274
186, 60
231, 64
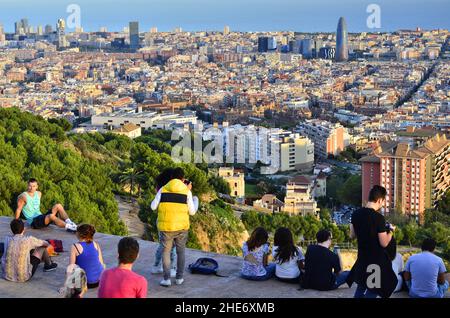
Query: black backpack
205, 266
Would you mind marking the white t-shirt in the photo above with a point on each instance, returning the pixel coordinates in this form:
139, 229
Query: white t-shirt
288, 269
397, 266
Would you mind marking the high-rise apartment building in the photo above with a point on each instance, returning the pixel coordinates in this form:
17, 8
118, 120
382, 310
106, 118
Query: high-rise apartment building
266, 44
328, 138
61, 32
416, 176
134, 35
296, 153
307, 48
263, 44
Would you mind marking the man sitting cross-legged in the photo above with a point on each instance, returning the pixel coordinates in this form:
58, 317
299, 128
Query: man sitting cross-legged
29, 203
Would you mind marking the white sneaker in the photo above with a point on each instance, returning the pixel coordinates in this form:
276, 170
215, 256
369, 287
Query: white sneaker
71, 228
165, 282
179, 281
156, 269
70, 222
173, 273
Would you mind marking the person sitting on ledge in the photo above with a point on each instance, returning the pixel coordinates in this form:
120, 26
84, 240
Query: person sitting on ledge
322, 266
29, 204
256, 251
23, 254
88, 255
121, 281
425, 273
288, 258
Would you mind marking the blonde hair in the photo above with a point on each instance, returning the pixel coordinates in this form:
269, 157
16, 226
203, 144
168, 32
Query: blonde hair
76, 282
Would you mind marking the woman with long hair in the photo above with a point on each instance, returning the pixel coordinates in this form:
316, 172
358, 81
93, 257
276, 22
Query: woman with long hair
256, 251
287, 256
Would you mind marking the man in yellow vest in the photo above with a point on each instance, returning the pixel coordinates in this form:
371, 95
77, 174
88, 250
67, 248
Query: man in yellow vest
174, 203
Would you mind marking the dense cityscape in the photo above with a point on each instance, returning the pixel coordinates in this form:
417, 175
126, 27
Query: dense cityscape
382, 97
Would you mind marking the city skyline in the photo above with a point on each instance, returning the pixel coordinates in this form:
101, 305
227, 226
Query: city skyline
252, 15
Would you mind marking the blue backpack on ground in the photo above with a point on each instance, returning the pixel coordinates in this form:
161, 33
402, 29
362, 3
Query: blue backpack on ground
205, 266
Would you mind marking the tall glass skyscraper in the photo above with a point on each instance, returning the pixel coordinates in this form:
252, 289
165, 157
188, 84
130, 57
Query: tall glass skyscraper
341, 41
306, 48
134, 35
263, 44
61, 31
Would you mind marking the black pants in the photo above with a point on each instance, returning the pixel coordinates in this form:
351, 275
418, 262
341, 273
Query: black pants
35, 261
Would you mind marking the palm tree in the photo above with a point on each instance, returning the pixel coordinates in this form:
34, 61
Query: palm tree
129, 176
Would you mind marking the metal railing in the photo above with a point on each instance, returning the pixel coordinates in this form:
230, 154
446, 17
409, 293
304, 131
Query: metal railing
342, 246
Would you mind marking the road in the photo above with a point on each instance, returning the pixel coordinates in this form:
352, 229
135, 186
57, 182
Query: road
128, 213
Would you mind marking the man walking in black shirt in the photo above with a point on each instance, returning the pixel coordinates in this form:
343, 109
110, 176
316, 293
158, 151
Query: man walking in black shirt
373, 269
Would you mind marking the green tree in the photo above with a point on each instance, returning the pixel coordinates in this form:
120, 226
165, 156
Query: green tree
410, 232
350, 192
219, 184
129, 177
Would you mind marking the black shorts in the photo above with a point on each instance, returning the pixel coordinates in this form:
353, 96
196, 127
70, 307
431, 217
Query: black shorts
39, 221
92, 285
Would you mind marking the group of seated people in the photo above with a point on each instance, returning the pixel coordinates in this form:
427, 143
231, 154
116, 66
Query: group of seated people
321, 269
87, 270
318, 269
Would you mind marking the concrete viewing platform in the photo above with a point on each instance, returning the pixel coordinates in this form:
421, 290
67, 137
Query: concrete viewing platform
46, 285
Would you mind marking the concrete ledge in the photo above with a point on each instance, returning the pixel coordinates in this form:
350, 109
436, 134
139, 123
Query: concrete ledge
46, 285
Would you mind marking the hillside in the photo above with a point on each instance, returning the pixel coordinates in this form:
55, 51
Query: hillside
84, 172
32, 147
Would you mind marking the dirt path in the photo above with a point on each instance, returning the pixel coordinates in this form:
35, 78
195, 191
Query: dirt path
128, 213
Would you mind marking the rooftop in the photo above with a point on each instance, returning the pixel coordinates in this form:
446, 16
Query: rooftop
46, 285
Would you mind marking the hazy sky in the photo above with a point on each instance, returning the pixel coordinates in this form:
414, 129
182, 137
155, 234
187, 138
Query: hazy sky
241, 15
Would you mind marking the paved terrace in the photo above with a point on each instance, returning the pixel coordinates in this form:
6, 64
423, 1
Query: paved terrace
196, 286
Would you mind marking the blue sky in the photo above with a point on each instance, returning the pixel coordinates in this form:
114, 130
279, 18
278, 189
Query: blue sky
242, 15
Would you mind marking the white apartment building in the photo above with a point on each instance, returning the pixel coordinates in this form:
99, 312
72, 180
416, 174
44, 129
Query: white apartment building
146, 120
281, 150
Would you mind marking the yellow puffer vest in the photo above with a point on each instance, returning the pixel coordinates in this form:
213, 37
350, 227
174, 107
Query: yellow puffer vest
173, 212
